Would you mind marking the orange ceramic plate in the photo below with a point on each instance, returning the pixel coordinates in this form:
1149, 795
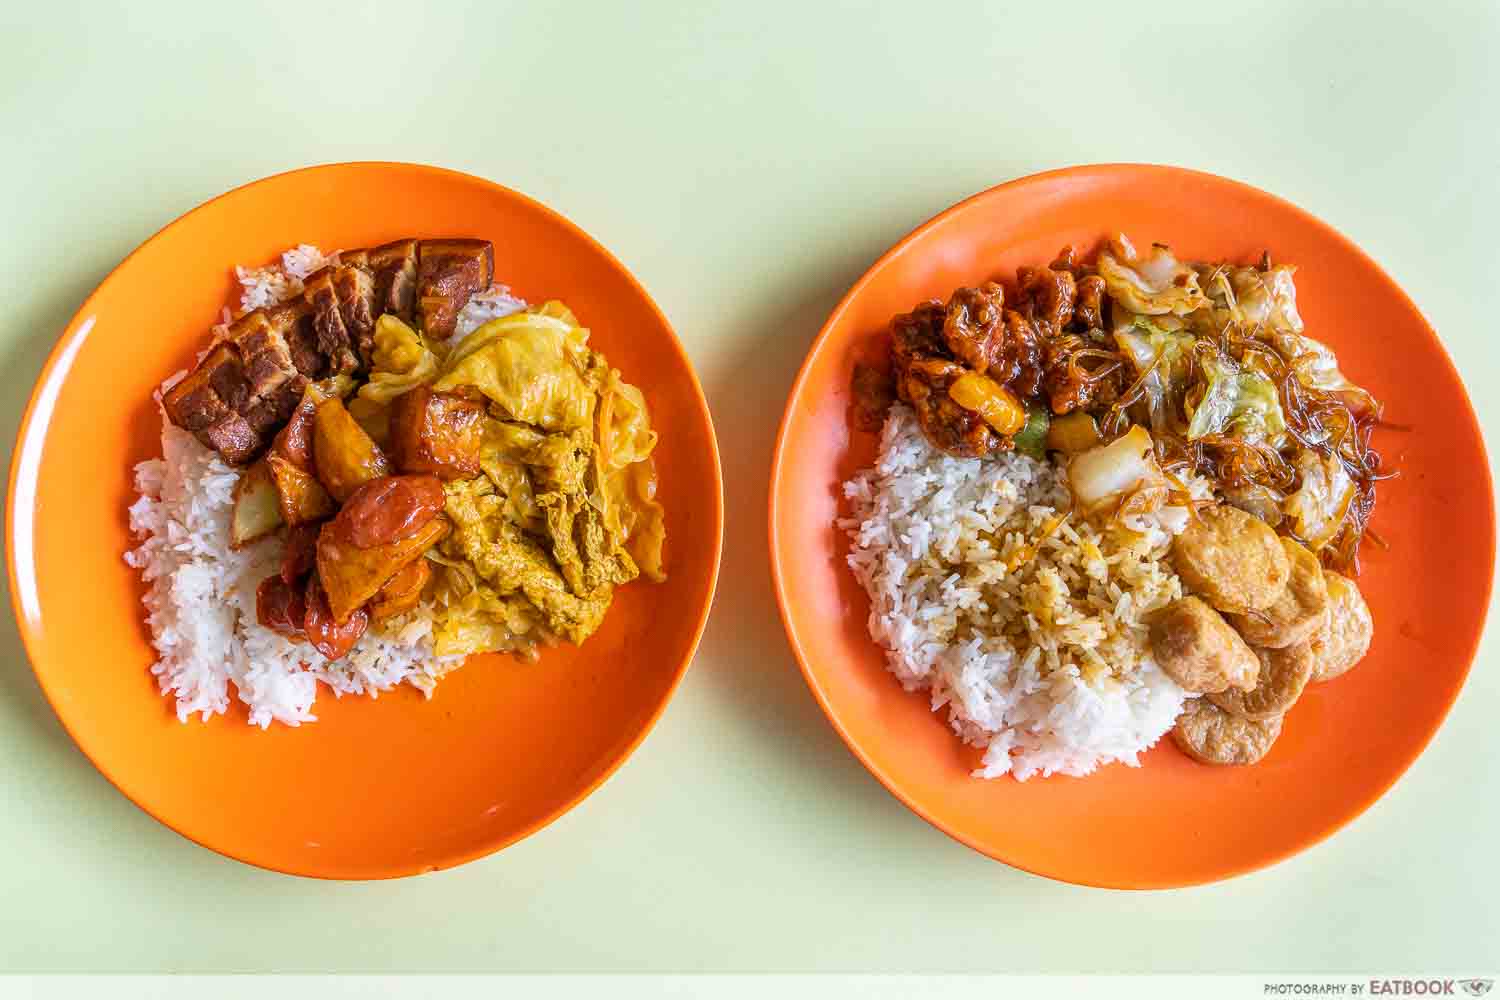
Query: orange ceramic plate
376, 788
1170, 822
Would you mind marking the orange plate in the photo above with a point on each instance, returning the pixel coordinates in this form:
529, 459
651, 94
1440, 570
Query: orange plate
1170, 822
377, 788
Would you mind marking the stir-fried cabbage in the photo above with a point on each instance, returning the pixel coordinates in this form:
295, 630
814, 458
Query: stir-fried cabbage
403, 360
1161, 353
1106, 474
1317, 510
565, 508
625, 435
1154, 285
1256, 300
1238, 402
529, 364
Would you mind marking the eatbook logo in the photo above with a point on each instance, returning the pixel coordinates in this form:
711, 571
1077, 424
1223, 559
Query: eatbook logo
1476, 987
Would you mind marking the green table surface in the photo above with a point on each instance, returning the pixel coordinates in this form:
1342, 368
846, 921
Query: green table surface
748, 161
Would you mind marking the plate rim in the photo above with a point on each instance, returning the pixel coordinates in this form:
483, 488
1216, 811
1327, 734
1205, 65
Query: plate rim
776, 502
31, 436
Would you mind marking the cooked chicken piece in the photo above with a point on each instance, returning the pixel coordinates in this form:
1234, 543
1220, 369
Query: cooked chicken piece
1195, 647
917, 334
1210, 735
344, 456
1283, 675
960, 432
1344, 639
437, 432
351, 575
974, 325
197, 404
874, 391
1088, 308
1231, 559
394, 267
449, 273
1047, 296
1297, 613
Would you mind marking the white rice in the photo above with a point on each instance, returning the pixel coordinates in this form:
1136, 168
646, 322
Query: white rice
201, 595
1034, 642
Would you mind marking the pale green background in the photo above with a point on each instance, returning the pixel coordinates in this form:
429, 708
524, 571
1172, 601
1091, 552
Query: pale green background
747, 161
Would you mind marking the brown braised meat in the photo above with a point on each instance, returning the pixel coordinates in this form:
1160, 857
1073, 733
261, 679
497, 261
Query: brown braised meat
264, 338
335, 340
449, 273
394, 269
197, 404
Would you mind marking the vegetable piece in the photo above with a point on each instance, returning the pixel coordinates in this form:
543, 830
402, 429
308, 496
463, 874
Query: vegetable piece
257, 510
402, 362
1154, 285
351, 575
625, 434
303, 499
389, 509
401, 592
996, 404
290, 464
1032, 439
1161, 353
530, 366
1259, 300
1238, 403
331, 636
1317, 510
438, 433
280, 607
346, 457
1104, 475
1075, 432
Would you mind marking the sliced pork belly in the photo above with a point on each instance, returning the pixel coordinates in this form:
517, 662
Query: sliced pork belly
449, 273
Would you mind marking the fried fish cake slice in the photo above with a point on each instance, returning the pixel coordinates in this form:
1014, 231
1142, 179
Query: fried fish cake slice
1284, 673
1295, 615
1195, 647
1231, 559
1210, 735
1344, 638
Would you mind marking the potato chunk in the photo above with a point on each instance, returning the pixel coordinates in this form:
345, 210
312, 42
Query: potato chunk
1231, 559
346, 457
439, 433
351, 576
1195, 647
